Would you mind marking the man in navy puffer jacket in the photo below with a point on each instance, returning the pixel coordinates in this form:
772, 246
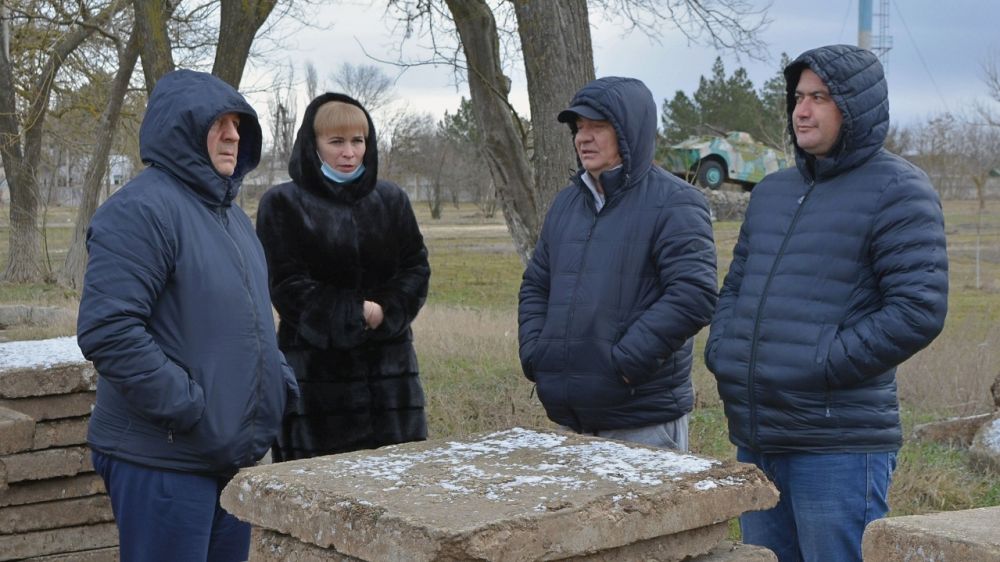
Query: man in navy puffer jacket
175, 315
622, 277
840, 273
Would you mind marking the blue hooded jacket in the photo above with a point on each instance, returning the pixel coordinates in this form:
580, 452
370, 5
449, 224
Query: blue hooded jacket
618, 294
175, 313
840, 273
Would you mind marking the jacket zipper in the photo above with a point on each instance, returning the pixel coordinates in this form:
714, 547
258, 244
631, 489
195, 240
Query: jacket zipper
583, 264
751, 374
256, 319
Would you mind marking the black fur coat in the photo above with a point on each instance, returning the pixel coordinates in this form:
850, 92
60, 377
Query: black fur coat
330, 247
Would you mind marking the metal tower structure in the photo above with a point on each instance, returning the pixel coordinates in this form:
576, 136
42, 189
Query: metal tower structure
881, 42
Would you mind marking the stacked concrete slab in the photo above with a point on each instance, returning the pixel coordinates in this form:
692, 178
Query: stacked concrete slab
970, 535
52, 505
513, 495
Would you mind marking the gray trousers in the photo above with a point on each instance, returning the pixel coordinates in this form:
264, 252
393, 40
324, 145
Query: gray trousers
669, 435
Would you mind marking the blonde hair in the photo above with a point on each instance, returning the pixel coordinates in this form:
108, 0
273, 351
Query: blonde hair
337, 116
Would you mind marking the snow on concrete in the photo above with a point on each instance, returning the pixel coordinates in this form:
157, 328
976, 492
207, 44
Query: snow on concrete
991, 437
496, 472
40, 354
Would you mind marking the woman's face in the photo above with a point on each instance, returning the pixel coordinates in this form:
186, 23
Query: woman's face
341, 150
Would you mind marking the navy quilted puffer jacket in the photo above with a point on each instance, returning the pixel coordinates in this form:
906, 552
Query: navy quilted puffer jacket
840, 273
620, 292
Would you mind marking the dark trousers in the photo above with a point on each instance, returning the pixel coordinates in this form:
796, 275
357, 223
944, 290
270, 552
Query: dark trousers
171, 516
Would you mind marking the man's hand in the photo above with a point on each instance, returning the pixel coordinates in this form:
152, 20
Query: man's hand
373, 314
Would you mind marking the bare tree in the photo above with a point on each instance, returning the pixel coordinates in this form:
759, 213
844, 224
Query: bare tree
75, 265
238, 24
152, 18
555, 42
21, 142
282, 112
312, 81
366, 83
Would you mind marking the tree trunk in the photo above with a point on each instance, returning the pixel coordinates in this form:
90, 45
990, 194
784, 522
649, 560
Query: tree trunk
76, 258
23, 259
558, 61
240, 21
151, 17
503, 136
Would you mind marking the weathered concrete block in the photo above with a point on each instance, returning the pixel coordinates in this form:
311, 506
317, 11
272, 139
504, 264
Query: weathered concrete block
58, 541
737, 552
268, 546
50, 463
16, 431
60, 433
82, 485
952, 431
53, 407
98, 555
969, 535
43, 367
985, 449
54, 515
512, 495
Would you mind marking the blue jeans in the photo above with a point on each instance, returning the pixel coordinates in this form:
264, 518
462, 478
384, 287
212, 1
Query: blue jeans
171, 516
826, 502
668, 435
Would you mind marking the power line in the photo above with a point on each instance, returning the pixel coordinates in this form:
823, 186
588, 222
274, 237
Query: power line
920, 56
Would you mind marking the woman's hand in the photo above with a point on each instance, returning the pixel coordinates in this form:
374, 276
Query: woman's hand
373, 314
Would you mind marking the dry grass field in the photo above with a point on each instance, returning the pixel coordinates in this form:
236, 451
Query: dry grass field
466, 340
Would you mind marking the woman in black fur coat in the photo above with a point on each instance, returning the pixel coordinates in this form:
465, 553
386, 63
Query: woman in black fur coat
348, 272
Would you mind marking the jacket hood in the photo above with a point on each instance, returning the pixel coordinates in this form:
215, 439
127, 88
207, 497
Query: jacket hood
304, 167
628, 104
174, 132
857, 85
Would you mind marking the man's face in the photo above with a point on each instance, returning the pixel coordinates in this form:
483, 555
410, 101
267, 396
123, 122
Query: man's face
816, 117
224, 143
596, 145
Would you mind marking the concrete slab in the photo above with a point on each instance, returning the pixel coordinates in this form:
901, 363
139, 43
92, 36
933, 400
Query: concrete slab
269, 546
985, 449
44, 367
972, 535
58, 541
16, 431
55, 514
40, 408
60, 433
952, 431
50, 463
28, 492
513, 495
737, 552
98, 555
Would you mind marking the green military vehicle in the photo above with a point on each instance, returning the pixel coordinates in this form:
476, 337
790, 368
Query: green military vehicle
709, 160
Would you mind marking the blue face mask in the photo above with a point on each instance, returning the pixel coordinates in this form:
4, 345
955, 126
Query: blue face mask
339, 177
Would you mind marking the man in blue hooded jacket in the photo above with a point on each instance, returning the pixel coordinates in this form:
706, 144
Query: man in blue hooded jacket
623, 275
839, 274
175, 316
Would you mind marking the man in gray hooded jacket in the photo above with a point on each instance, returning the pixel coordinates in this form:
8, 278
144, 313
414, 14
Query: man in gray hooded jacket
176, 317
839, 274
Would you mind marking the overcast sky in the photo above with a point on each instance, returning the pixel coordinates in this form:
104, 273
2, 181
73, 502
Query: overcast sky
935, 63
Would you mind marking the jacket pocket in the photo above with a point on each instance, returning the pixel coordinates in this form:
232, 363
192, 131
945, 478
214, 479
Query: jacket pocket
827, 333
